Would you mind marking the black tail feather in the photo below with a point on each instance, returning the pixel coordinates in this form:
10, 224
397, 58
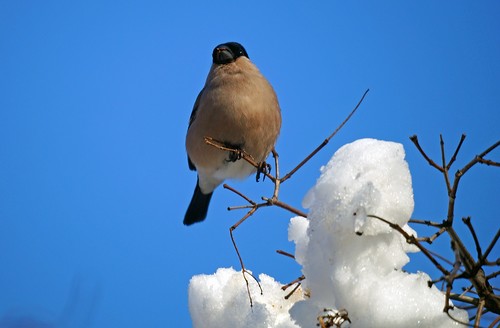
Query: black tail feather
198, 207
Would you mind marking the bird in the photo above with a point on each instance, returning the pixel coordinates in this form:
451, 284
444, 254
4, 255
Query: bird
238, 107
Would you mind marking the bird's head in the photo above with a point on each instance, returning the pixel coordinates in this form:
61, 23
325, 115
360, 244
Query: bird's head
228, 52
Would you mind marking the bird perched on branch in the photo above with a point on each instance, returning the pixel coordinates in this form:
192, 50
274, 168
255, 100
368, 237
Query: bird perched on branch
237, 107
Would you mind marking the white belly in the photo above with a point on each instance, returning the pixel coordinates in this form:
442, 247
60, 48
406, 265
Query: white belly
234, 170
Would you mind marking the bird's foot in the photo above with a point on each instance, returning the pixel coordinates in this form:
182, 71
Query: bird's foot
235, 155
235, 152
263, 168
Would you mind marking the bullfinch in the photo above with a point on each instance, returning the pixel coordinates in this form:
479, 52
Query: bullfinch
238, 107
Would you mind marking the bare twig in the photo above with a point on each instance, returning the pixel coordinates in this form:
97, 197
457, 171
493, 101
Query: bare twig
464, 299
325, 142
493, 275
444, 166
431, 239
488, 162
279, 251
277, 181
410, 239
426, 222
299, 279
287, 296
454, 157
272, 201
243, 269
473, 162
414, 139
442, 258
451, 277
490, 247
479, 312
494, 322
474, 236
226, 186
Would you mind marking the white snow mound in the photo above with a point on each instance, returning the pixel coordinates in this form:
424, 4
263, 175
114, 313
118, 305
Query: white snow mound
221, 300
352, 261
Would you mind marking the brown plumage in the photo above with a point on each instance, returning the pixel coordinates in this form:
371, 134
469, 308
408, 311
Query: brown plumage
237, 106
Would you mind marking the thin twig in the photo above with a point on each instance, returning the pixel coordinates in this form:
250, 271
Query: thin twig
241, 207
474, 236
451, 277
281, 252
464, 299
494, 322
277, 181
442, 258
426, 222
493, 275
478, 157
454, 157
444, 166
434, 282
488, 162
226, 186
285, 206
243, 269
431, 239
447, 302
410, 239
458, 175
414, 139
479, 313
299, 279
325, 142
293, 291
466, 290
490, 247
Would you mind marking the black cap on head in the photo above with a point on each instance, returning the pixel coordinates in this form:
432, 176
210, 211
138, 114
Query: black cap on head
226, 53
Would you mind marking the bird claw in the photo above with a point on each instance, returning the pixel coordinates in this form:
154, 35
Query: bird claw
263, 168
235, 152
235, 155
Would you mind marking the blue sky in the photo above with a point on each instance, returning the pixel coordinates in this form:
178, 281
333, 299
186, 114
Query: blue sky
94, 104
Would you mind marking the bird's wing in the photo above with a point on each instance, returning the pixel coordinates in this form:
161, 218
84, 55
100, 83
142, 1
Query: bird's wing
191, 119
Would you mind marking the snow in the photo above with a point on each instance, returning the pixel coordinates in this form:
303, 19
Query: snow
351, 261
221, 300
